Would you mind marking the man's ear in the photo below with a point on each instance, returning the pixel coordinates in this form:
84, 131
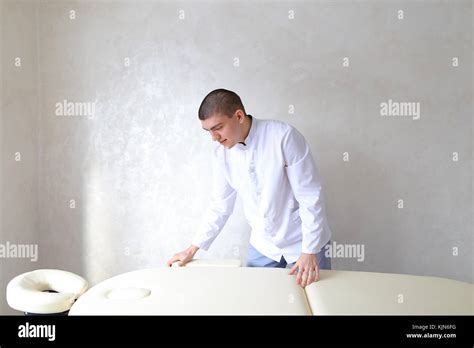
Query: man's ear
240, 115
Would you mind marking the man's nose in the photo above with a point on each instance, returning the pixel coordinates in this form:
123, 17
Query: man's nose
215, 136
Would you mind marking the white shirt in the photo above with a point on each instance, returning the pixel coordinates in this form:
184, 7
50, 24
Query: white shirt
277, 179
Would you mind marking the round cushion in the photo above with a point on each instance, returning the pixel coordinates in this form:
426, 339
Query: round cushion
45, 291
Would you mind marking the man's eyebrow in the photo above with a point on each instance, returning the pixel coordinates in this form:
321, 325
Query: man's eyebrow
217, 125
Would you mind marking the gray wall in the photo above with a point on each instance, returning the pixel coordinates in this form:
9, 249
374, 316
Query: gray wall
138, 169
19, 140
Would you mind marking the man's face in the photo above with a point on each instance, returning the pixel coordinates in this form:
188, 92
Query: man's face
226, 130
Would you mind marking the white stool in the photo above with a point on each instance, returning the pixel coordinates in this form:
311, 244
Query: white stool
45, 291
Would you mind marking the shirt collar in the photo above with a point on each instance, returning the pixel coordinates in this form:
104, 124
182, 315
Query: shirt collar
250, 137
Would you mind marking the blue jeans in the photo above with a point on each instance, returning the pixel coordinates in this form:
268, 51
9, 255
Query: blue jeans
256, 259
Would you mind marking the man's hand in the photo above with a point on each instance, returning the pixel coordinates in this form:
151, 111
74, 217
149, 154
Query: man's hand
183, 257
308, 269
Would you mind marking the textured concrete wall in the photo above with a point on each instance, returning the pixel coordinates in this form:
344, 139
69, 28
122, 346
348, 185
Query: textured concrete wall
121, 184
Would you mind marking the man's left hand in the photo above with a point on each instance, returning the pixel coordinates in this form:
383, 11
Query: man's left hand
308, 269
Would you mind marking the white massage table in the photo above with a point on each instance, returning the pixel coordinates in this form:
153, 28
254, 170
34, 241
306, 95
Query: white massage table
223, 288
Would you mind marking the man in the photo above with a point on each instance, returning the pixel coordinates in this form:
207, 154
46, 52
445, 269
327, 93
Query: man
270, 165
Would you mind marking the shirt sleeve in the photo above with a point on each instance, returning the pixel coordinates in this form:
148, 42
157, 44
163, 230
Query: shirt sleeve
306, 185
221, 207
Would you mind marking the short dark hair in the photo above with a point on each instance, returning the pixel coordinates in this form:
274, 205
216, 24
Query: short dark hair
220, 101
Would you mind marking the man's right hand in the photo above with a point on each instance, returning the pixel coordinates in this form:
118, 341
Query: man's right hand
183, 257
